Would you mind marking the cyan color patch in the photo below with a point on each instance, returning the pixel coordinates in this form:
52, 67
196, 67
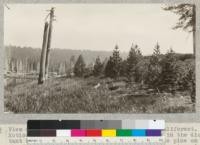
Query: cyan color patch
138, 132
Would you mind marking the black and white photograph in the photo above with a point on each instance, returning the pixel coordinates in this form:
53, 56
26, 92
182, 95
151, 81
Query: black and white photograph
99, 58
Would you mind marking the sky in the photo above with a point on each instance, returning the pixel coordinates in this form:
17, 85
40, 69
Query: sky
96, 27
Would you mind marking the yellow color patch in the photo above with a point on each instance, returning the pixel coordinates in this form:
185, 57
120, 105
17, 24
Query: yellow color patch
109, 132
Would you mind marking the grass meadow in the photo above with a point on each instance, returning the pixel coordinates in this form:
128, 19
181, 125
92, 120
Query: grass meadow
78, 95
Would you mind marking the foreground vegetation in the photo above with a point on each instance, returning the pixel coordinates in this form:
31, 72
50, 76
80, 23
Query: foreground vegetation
78, 95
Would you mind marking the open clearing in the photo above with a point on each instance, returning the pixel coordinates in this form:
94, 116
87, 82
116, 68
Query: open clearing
76, 95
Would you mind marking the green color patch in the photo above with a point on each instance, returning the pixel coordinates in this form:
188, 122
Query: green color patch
124, 132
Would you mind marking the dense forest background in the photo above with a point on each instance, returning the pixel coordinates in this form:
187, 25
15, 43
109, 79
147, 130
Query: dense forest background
26, 59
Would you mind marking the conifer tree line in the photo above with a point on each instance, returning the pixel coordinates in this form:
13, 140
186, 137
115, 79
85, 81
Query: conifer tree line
163, 72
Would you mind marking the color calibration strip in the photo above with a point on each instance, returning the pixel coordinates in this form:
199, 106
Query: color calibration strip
94, 133
89, 128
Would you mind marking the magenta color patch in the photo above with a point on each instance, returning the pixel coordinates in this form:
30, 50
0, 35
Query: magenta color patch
78, 132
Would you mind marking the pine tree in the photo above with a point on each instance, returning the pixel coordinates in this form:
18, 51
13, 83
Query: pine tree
109, 68
138, 74
79, 68
192, 84
156, 54
97, 67
116, 62
142, 70
113, 67
187, 18
72, 61
123, 71
71, 66
154, 68
186, 14
132, 60
104, 64
186, 77
169, 71
62, 68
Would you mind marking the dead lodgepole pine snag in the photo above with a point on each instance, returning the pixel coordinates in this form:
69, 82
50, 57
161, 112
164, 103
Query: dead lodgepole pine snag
41, 78
49, 42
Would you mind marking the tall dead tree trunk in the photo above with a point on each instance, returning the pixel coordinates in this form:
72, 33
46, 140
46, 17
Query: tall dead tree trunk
43, 55
194, 30
49, 42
